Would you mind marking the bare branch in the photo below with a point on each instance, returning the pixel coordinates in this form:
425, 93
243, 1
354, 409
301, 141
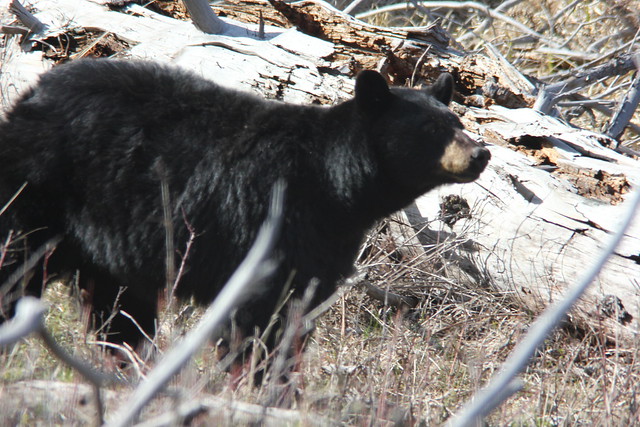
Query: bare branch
16, 194
28, 264
508, 4
319, 310
26, 17
352, 5
170, 264
14, 29
183, 262
600, 105
389, 298
492, 13
255, 267
203, 16
241, 412
628, 106
499, 388
29, 319
552, 93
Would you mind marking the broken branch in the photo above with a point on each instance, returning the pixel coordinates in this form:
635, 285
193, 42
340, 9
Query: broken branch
551, 94
627, 107
203, 17
26, 17
491, 13
389, 298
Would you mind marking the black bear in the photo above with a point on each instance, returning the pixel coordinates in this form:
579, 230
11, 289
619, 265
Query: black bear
95, 141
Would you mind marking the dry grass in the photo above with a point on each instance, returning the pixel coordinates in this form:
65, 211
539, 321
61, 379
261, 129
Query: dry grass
366, 363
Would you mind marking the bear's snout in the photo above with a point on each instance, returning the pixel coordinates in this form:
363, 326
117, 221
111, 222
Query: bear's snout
464, 159
480, 156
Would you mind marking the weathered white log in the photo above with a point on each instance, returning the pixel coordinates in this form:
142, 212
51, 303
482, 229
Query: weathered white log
65, 399
533, 233
284, 64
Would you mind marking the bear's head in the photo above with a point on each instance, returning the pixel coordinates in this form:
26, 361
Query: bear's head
419, 142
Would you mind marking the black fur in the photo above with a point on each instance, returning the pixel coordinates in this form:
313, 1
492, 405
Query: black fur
95, 138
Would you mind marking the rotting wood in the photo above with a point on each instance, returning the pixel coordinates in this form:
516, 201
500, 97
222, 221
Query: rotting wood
395, 51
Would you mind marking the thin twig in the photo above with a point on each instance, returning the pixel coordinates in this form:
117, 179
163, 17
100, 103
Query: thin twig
5, 249
169, 258
508, 4
183, 262
125, 349
255, 267
137, 325
352, 5
16, 194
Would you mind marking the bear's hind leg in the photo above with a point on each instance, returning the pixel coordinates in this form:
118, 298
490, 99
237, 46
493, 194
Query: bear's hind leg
108, 300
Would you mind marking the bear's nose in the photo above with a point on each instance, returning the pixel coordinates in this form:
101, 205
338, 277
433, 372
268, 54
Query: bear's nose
481, 155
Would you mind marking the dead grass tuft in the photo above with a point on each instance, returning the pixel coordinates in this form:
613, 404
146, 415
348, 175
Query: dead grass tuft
366, 362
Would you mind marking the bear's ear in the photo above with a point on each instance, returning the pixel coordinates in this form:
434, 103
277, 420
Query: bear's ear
372, 91
442, 89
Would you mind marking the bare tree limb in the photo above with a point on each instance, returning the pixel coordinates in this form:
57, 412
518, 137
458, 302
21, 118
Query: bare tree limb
14, 29
577, 100
255, 267
492, 13
552, 93
501, 386
389, 298
241, 413
508, 4
31, 262
29, 319
203, 16
352, 5
26, 17
628, 106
